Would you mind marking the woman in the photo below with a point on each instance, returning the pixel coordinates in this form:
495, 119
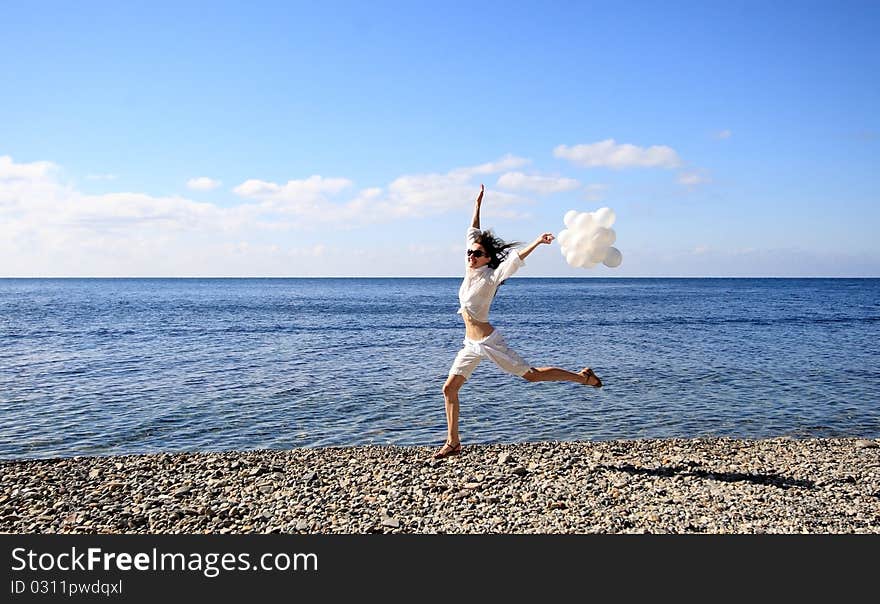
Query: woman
490, 261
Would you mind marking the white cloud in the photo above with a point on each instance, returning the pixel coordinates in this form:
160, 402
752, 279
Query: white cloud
723, 134
609, 154
691, 179
101, 177
305, 199
595, 192
202, 183
508, 162
48, 228
10, 170
51, 229
312, 187
408, 196
536, 183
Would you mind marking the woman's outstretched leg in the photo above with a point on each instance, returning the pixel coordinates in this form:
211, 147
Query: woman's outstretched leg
555, 374
450, 396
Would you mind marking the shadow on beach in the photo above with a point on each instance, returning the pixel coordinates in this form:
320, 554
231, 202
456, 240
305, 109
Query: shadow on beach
775, 480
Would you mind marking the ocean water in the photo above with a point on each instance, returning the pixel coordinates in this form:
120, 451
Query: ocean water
122, 366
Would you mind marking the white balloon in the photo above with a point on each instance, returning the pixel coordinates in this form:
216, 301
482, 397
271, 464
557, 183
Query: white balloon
563, 236
603, 237
613, 258
579, 259
582, 221
578, 241
604, 217
586, 241
597, 254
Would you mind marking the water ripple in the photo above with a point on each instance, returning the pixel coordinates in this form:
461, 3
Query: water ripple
132, 366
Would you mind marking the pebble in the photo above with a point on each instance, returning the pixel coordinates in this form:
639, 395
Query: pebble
709, 485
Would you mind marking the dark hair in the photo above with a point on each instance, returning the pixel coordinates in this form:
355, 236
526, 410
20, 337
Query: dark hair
496, 247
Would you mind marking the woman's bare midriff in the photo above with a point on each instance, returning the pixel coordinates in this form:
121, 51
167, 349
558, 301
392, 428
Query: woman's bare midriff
475, 330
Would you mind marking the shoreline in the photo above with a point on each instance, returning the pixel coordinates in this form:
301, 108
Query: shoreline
675, 485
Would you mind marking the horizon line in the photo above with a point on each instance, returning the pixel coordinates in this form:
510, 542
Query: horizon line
453, 277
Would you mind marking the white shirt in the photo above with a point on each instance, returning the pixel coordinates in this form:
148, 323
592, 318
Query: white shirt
479, 285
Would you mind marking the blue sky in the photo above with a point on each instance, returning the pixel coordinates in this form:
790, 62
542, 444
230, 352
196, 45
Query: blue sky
334, 138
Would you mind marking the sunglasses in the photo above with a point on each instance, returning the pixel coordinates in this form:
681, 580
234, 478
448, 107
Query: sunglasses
477, 253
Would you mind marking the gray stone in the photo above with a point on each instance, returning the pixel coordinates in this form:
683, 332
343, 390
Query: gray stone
675, 486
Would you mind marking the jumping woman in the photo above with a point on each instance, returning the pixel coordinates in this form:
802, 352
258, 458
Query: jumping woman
490, 261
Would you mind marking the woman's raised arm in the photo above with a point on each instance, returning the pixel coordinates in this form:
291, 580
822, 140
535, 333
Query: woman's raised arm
545, 238
476, 221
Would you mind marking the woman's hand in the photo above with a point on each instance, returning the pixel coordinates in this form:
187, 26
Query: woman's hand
480, 196
546, 238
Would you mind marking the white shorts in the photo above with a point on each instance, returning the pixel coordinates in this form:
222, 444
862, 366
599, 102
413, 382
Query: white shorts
492, 347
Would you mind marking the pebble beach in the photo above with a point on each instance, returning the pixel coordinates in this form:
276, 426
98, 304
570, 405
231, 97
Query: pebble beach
705, 485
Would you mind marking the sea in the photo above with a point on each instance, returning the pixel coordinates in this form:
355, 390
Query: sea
133, 366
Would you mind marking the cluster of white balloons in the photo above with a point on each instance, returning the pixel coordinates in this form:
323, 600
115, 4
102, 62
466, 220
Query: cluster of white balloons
586, 240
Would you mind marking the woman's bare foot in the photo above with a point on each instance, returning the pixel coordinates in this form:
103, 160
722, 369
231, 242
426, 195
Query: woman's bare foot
590, 378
